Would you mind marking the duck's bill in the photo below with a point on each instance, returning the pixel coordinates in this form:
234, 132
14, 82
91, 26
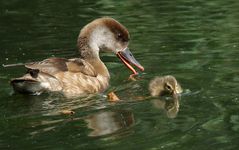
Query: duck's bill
128, 59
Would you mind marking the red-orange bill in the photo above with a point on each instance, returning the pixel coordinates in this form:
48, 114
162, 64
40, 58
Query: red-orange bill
128, 59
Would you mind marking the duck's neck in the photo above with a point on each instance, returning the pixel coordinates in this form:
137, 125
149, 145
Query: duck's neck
87, 51
99, 67
90, 53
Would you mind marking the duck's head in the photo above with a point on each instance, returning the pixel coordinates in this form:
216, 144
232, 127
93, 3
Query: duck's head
107, 34
164, 85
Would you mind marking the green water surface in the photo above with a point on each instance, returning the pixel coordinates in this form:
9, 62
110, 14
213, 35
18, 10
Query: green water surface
197, 41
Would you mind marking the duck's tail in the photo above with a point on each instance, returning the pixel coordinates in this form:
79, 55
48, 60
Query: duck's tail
27, 85
35, 83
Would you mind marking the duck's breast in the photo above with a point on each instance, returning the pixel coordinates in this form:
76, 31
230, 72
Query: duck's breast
76, 84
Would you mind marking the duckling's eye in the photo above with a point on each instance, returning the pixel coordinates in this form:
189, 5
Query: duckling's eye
168, 87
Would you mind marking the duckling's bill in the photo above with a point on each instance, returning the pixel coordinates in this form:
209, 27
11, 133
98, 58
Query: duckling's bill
128, 59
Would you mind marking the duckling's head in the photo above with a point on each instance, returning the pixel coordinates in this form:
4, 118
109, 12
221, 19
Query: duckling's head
164, 85
106, 34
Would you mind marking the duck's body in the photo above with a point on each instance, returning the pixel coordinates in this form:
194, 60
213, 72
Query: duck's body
84, 75
71, 76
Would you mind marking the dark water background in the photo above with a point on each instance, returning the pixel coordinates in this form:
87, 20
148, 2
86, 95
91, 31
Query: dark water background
197, 41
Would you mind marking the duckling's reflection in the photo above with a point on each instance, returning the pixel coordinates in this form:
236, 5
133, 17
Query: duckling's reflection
170, 106
108, 122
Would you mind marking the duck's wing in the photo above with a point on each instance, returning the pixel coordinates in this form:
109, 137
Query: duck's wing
43, 76
53, 66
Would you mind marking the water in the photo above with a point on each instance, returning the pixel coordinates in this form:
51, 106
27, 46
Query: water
196, 41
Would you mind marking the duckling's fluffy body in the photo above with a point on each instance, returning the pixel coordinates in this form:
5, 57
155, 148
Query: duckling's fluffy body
162, 85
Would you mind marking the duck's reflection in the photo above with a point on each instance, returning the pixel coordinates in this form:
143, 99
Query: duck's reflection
170, 106
108, 122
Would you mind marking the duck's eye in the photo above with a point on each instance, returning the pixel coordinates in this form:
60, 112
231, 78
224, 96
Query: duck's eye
119, 35
122, 38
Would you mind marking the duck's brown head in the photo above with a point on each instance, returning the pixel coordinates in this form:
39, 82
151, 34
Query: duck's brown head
107, 34
164, 85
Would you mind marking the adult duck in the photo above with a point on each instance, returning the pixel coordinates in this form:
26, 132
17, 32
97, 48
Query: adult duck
83, 75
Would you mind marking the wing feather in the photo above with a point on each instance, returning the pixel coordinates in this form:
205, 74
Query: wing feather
54, 66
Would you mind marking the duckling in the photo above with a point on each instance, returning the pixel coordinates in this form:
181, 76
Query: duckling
86, 74
163, 85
